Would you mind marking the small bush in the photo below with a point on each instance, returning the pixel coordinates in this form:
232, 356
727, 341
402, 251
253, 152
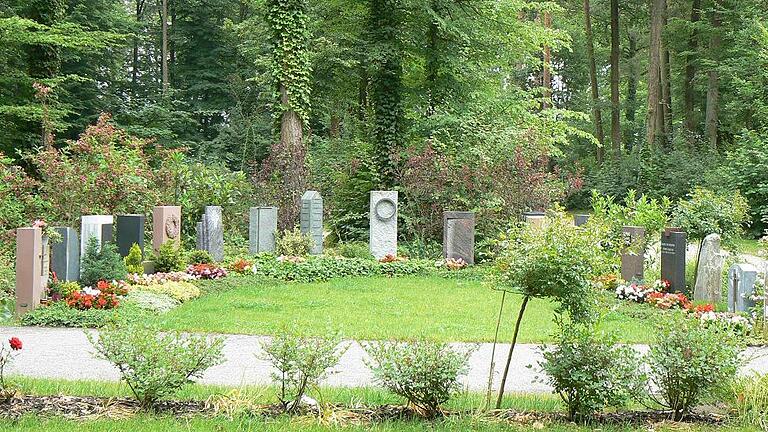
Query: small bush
689, 362
169, 258
60, 315
706, 212
323, 268
425, 373
133, 262
154, 364
293, 243
199, 257
590, 372
302, 362
179, 291
355, 250
101, 263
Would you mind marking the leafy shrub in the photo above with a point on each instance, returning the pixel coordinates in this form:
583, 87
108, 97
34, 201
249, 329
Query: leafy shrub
58, 290
293, 243
590, 372
101, 263
199, 257
688, 362
302, 362
179, 291
425, 373
745, 167
354, 250
58, 314
18, 202
420, 248
7, 277
750, 400
706, 212
648, 213
7, 355
152, 301
133, 262
169, 258
242, 266
323, 268
156, 364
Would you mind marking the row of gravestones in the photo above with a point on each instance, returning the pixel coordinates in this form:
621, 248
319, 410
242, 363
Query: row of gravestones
741, 277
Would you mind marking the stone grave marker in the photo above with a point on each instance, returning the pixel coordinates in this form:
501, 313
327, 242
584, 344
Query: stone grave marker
709, 278
29, 269
741, 283
580, 219
213, 232
130, 231
65, 255
673, 245
312, 219
459, 235
94, 226
166, 225
633, 253
261, 229
383, 223
536, 219
200, 234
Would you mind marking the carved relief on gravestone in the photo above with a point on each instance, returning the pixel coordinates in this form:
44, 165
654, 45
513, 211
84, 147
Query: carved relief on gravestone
709, 277
65, 255
633, 253
741, 284
673, 247
459, 236
166, 225
261, 229
29, 269
312, 219
383, 223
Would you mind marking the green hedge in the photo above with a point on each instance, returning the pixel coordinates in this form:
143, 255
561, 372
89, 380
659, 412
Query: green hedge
322, 268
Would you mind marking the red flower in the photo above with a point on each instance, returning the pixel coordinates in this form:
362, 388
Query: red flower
15, 343
102, 285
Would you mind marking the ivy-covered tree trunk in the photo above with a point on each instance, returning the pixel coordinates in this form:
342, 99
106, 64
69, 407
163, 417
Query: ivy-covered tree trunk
387, 88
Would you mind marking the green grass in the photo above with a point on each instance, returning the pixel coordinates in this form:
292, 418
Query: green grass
749, 246
377, 308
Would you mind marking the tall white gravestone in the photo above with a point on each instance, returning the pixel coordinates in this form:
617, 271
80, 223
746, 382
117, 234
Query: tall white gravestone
741, 284
312, 219
92, 226
383, 224
262, 229
213, 227
709, 277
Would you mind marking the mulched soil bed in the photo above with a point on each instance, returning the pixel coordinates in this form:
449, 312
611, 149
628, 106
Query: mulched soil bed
89, 407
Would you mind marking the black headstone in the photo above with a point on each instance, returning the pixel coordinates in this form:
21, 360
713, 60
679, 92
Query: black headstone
673, 246
130, 230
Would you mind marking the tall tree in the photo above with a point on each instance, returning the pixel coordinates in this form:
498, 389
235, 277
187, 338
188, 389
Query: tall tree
713, 89
615, 77
164, 48
596, 112
655, 114
689, 93
633, 78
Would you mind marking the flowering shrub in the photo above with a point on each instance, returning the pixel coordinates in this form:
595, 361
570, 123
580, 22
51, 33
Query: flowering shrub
158, 278
206, 271
180, 291
84, 301
6, 355
242, 266
607, 281
118, 288
726, 320
635, 292
58, 290
451, 264
668, 300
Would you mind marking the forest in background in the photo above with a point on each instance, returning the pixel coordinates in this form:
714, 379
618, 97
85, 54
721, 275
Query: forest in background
493, 106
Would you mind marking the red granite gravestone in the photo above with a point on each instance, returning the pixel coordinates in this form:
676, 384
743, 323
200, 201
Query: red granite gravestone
29, 269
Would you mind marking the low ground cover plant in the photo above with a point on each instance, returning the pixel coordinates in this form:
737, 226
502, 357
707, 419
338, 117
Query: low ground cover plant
156, 365
323, 268
59, 314
179, 291
425, 373
750, 400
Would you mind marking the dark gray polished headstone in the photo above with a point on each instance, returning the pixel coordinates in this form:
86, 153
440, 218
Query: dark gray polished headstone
130, 231
65, 255
673, 246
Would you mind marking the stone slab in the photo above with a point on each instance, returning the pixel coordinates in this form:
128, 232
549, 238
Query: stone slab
93, 226
741, 285
214, 232
459, 236
633, 253
673, 247
311, 219
709, 281
130, 231
29, 271
383, 224
166, 225
65, 255
261, 229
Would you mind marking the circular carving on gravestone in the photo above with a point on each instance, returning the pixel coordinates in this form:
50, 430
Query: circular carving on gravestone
385, 209
172, 226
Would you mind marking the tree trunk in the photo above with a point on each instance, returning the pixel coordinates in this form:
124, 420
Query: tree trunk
292, 143
546, 80
689, 95
511, 350
135, 61
713, 92
632, 79
655, 115
615, 77
335, 128
666, 94
164, 48
596, 113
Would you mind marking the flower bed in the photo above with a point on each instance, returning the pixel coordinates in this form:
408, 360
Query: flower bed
206, 271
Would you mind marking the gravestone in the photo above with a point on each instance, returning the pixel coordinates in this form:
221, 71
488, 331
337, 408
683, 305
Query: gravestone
580, 219
107, 233
709, 277
213, 232
65, 255
312, 219
261, 229
166, 225
29, 269
633, 253
94, 226
741, 284
199, 241
130, 231
459, 235
383, 224
673, 245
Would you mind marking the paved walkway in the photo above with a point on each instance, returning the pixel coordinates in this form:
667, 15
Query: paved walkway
66, 353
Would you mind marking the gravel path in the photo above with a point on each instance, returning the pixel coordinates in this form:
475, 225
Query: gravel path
66, 353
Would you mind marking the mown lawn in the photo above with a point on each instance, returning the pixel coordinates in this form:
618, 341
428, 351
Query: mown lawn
380, 308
